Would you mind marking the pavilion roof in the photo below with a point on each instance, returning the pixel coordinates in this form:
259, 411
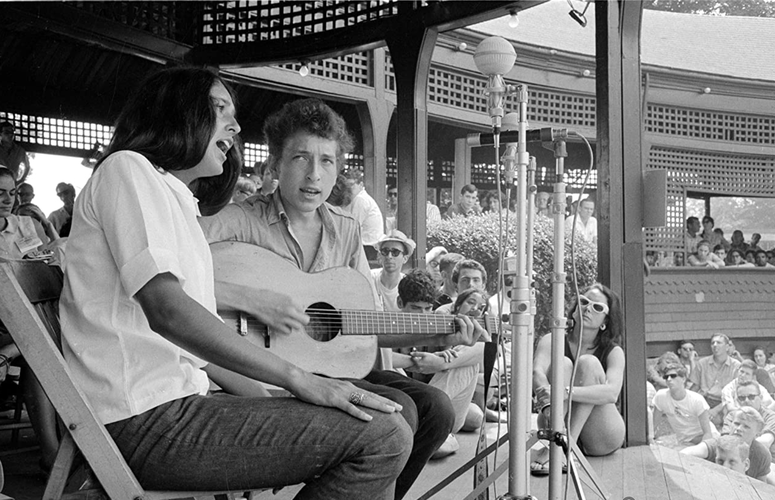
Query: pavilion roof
734, 46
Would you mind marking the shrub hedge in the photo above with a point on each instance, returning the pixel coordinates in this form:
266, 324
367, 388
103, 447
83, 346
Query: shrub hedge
477, 238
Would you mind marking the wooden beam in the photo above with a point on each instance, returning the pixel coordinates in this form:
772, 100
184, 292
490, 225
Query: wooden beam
620, 190
81, 25
411, 50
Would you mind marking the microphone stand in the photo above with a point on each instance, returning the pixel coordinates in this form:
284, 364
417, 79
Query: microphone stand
559, 324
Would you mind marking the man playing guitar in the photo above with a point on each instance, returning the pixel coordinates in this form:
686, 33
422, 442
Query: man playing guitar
307, 142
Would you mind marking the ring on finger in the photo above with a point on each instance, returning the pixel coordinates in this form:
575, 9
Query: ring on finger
356, 398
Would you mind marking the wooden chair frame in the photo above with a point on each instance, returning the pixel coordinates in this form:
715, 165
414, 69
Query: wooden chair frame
29, 297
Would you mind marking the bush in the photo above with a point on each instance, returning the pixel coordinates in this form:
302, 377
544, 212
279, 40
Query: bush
477, 238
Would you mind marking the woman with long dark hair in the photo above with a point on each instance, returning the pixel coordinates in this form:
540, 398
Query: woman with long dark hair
595, 330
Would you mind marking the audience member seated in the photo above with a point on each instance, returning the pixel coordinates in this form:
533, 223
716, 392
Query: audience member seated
393, 251
704, 258
733, 453
688, 355
432, 263
754, 244
596, 423
750, 256
691, 236
448, 289
653, 370
23, 237
468, 273
495, 202
543, 203
723, 241
749, 394
746, 373
712, 373
679, 259
244, 189
736, 258
762, 261
747, 423
468, 204
720, 252
763, 365
686, 411
738, 242
455, 370
62, 218
269, 178
708, 233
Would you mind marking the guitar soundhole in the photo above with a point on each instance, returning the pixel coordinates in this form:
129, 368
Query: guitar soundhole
325, 322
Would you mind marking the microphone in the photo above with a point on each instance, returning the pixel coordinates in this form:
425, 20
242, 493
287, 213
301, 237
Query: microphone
494, 57
546, 134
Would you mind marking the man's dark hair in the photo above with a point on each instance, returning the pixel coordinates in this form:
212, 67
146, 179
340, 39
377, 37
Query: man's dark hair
417, 286
306, 115
708, 218
468, 264
468, 188
691, 219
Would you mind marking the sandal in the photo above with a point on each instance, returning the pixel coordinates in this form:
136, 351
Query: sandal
539, 468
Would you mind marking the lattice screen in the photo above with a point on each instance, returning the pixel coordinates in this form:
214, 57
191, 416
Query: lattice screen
248, 21
254, 153
57, 132
163, 19
719, 126
351, 68
721, 174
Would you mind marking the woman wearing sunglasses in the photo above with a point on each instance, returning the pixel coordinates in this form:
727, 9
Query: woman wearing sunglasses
594, 331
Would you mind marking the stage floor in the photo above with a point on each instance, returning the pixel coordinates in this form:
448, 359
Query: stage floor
636, 473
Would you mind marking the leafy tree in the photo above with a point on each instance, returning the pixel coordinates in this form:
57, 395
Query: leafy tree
752, 8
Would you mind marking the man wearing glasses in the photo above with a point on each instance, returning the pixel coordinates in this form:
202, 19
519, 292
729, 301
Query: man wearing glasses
62, 217
746, 373
394, 249
685, 411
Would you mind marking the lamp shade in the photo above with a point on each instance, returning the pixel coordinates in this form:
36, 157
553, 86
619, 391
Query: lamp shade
494, 56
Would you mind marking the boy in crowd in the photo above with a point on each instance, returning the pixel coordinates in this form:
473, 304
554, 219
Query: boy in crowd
746, 424
393, 251
733, 453
686, 411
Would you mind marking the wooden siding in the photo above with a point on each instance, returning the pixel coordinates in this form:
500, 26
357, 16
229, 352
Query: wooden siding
692, 303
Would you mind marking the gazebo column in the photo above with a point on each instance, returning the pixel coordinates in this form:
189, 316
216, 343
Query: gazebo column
620, 190
410, 52
374, 116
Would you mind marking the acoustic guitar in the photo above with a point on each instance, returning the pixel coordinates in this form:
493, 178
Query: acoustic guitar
341, 338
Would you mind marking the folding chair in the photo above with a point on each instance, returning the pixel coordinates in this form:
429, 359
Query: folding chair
29, 297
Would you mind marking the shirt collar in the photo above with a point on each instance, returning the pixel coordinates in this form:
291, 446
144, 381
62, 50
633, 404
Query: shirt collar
181, 190
13, 224
277, 213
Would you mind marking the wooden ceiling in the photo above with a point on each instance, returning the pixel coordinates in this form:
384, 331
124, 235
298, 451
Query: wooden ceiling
80, 60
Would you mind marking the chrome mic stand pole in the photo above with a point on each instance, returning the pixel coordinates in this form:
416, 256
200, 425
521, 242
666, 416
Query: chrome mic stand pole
520, 319
558, 325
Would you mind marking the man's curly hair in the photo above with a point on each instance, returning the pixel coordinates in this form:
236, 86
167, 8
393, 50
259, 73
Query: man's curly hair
417, 286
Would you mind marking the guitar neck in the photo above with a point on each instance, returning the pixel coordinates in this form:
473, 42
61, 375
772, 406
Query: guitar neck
400, 323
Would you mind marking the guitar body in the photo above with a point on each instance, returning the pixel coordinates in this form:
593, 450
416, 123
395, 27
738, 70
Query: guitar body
335, 289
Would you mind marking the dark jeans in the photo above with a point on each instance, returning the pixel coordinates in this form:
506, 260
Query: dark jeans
428, 411
202, 443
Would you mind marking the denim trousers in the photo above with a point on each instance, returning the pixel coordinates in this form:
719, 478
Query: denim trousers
223, 442
428, 411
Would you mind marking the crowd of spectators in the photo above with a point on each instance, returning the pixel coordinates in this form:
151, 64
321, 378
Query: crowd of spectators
709, 248
695, 404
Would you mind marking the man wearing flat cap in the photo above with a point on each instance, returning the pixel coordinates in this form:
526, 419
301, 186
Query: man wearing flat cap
393, 251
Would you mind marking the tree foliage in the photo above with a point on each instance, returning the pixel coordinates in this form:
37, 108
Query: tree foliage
752, 8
